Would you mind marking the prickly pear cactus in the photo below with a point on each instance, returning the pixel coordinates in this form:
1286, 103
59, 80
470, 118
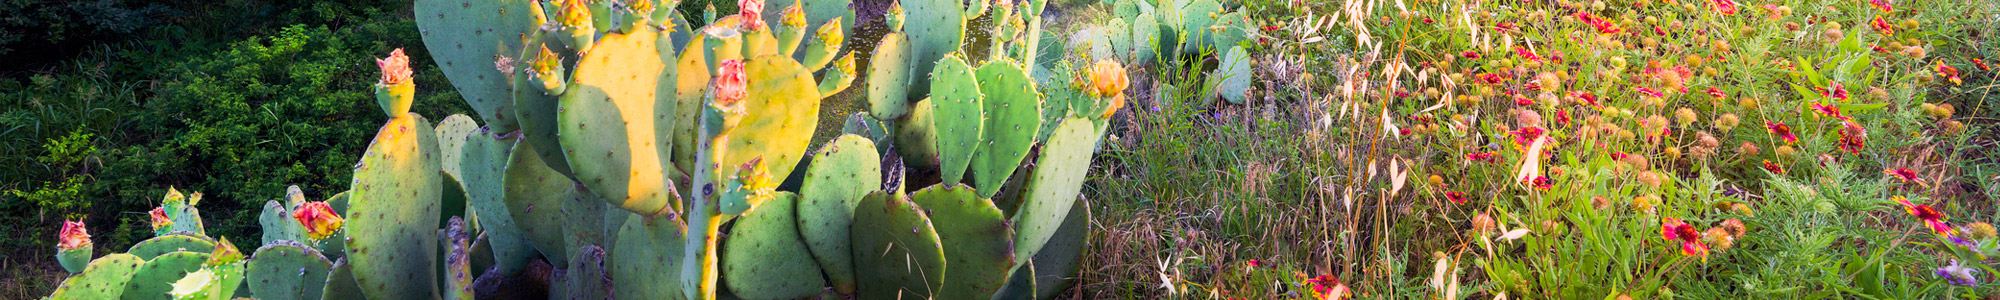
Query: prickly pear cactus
458, 270
1013, 111
340, 283
778, 120
615, 118
155, 278
764, 258
1052, 190
1233, 77
277, 222
956, 95
466, 37
534, 197
105, 278
935, 28
897, 254
287, 270
844, 171
392, 211
480, 164
645, 240
1056, 264
181, 241
978, 244
888, 77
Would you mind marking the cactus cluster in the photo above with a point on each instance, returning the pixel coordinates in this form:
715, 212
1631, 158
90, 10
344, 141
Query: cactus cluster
624, 153
1143, 31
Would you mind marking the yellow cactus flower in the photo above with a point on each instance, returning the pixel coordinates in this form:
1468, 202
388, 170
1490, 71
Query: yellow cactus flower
1107, 78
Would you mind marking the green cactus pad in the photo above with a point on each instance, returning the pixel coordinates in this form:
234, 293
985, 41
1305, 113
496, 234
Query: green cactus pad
1234, 28
482, 167
1199, 15
534, 196
867, 126
889, 77
1057, 105
1054, 186
340, 283
1118, 32
156, 277
180, 241
781, 112
648, 261
935, 28
465, 37
978, 244
1057, 262
74, 260
959, 120
763, 257
1145, 28
692, 77
846, 169
583, 221
287, 270
1096, 41
393, 212
535, 108
186, 217
897, 254
615, 118
451, 134
1233, 77
586, 277
458, 270
1013, 115
916, 136
278, 225
1020, 284
105, 278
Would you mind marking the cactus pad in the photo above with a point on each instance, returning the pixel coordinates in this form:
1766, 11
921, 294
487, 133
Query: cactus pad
613, 125
1145, 28
535, 108
393, 212
1198, 16
935, 28
105, 278
586, 277
648, 261
287, 270
978, 244
1057, 262
763, 258
897, 254
155, 278
781, 113
534, 196
458, 270
889, 77
1054, 186
482, 167
465, 37
1013, 115
181, 241
959, 120
1020, 284
1233, 77
74, 260
278, 225
916, 136
340, 283
846, 169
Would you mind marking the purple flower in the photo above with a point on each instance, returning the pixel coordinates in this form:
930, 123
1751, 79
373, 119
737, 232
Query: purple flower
1961, 241
1958, 274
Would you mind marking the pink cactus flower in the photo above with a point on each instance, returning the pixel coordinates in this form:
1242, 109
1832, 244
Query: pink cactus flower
72, 236
319, 219
395, 68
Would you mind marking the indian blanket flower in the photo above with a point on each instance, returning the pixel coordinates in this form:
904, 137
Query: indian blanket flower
1958, 274
1717, 93
1525, 54
1486, 157
1603, 26
1648, 91
1773, 167
160, 219
1829, 110
1882, 5
1784, 132
1950, 73
731, 84
1470, 54
1256, 263
1542, 183
1455, 197
1586, 97
1853, 137
752, 13
319, 219
1327, 287
1931, 217
1725, 7
1674, 230
1905, 175
1836, 91
1523, 101
1526, 134
1981, 64
1489, 78
1882, 26
72, 236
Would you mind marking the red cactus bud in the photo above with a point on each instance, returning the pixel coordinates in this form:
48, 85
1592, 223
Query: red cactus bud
160, 219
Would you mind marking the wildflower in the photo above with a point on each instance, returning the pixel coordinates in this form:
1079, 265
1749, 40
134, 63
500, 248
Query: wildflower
1734, 227
1981, 64
1905, 175
752, 13
731, 84
1827, 159
1586, 97
1645, 202
1562, 117
1490, 78
1882, 5
1882, 26
1747, 149
1107, 79
1932, 218
1950, 73
1649, 178
1718, 239
1328, 287
1603, 26
1784, 132
160, 219
1470, 55
1774, 168
1717, 93
1837, 92
1487, 157
1727, 122
1255, 263
1958, 274
1523, 101
1674, 230
1726, 7
1525, 54
1482, 223
1526, 134
1648, 91
1829, 110
1455, 197
319, 219
1542, 183
72, 236
1979, 230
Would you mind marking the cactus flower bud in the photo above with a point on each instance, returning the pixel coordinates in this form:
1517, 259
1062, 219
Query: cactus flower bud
173, 195
546, 69
319, 219
894, 17
577, 25
762, 188
795, 16
752, 13
224, 253
831, 34
160, 219
731, 85
395, 91
72, 236
573, 14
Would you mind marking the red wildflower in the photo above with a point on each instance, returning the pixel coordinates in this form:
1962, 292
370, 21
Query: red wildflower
1542, 183
1586, 96
1270, 28
1829, 110
1328, 287
1486, 157
1882, 26
1603, 26
1562, 117
1648, 91
1525, 54
1981, 64
1782, 131
1932, 218
1523, 101
1882, 5
1470, 54
1837, 92
1717, 93
1256, 263
1853, 138
1906, 175
1774, 168
1949, 73
1726, 7
1674, 230
1526, 134
1490, 78
1455, 197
